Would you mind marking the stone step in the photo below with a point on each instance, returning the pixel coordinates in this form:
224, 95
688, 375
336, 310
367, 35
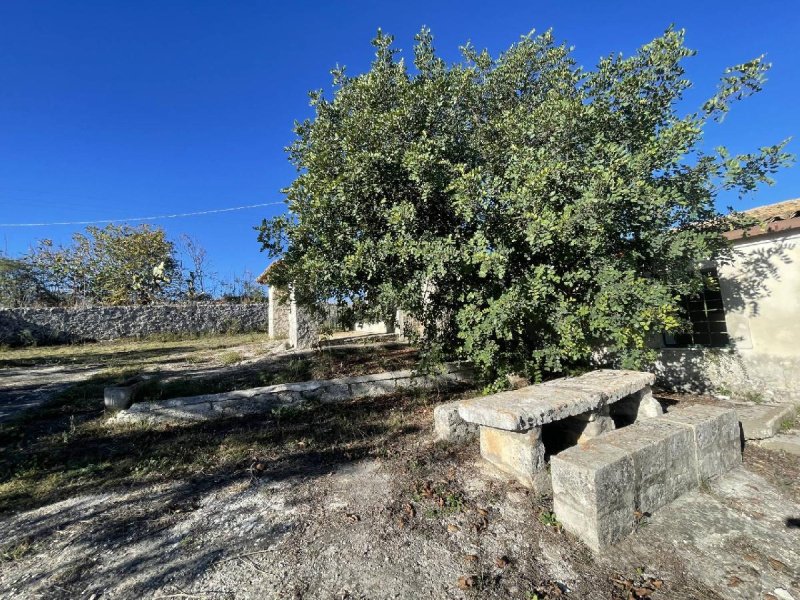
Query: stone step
762, 421
788, 442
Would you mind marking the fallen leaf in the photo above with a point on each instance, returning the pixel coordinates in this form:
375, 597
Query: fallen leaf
401, 522
471, 558
776, 564
466, 582
452, 528
502, 562
643, 592
410, 511
657, 583
353, 518
483, 512
734, 581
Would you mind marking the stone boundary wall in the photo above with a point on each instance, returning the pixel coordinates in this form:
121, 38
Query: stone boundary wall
262, 400
95, 323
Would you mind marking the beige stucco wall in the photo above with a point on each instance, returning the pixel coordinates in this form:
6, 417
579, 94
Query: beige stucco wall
761, 293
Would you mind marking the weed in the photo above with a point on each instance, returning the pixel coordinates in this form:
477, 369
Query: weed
15, 550
231, 358
548, 519
786, 425
754, 396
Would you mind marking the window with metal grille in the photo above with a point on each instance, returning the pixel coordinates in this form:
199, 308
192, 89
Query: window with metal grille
706, 314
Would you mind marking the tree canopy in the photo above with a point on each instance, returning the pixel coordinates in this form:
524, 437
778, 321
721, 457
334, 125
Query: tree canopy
115, 264
528, 212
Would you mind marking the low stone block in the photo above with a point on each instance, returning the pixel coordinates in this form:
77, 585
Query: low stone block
716, 434
593, 492
788, 442
663, 461
333, 393
521, 455
760, 422
121, 397
449, 426
373, 388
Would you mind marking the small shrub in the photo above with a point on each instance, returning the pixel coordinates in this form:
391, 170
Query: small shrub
231, 358
548, 518
754, 396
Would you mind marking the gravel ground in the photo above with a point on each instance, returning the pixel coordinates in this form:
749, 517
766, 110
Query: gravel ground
394, 515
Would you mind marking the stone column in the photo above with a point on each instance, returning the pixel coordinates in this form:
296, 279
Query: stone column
520, 454
279, 309
303, 326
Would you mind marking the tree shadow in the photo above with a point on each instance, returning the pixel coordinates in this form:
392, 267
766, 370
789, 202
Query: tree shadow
76, 358
119, 486
756, 269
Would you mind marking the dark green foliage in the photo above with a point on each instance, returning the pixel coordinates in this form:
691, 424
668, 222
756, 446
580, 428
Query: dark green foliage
526, 211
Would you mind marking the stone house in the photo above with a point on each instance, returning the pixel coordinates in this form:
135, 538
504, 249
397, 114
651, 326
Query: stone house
745, 339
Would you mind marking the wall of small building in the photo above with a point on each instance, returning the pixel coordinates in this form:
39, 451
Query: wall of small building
761, 293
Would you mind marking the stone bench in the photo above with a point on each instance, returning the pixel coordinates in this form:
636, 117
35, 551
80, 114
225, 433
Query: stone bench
511, 422
601, 486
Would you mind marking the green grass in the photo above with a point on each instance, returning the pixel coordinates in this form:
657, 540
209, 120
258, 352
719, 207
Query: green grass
121, 351
231, 358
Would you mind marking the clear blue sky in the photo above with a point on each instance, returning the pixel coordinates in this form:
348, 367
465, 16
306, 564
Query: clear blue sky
119, 109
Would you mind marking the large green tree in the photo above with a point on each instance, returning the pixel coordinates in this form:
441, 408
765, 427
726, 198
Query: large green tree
527, 211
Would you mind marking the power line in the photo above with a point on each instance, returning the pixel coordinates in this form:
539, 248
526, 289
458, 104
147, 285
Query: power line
155, 218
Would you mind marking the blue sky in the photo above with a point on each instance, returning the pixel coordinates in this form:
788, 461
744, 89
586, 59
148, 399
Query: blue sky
112, 109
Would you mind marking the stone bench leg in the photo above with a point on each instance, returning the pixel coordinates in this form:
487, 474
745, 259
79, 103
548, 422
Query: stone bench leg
520, 454
594, 423
640, 405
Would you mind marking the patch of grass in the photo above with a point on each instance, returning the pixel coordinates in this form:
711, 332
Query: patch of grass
14, 551
325, 364
786, 425
753, 396
231, 358
121, 351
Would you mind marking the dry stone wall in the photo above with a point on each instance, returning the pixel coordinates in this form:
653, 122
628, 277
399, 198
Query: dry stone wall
65, 325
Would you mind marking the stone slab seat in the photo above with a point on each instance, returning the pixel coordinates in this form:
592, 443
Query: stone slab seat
537, 405
510, 422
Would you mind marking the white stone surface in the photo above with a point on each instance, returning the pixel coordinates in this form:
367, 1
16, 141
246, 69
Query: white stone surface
279, 309
519, 454
599, 486
761, 421
594, 493
788, 442
717, 438
533, 406
536, 405
449, 426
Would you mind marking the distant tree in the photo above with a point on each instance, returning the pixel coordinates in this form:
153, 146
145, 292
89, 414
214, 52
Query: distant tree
243, 288
198, 275
525, 210
20, 286
116, 264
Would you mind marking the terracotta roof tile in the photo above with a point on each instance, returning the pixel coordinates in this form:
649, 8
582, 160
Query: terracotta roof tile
788, 209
